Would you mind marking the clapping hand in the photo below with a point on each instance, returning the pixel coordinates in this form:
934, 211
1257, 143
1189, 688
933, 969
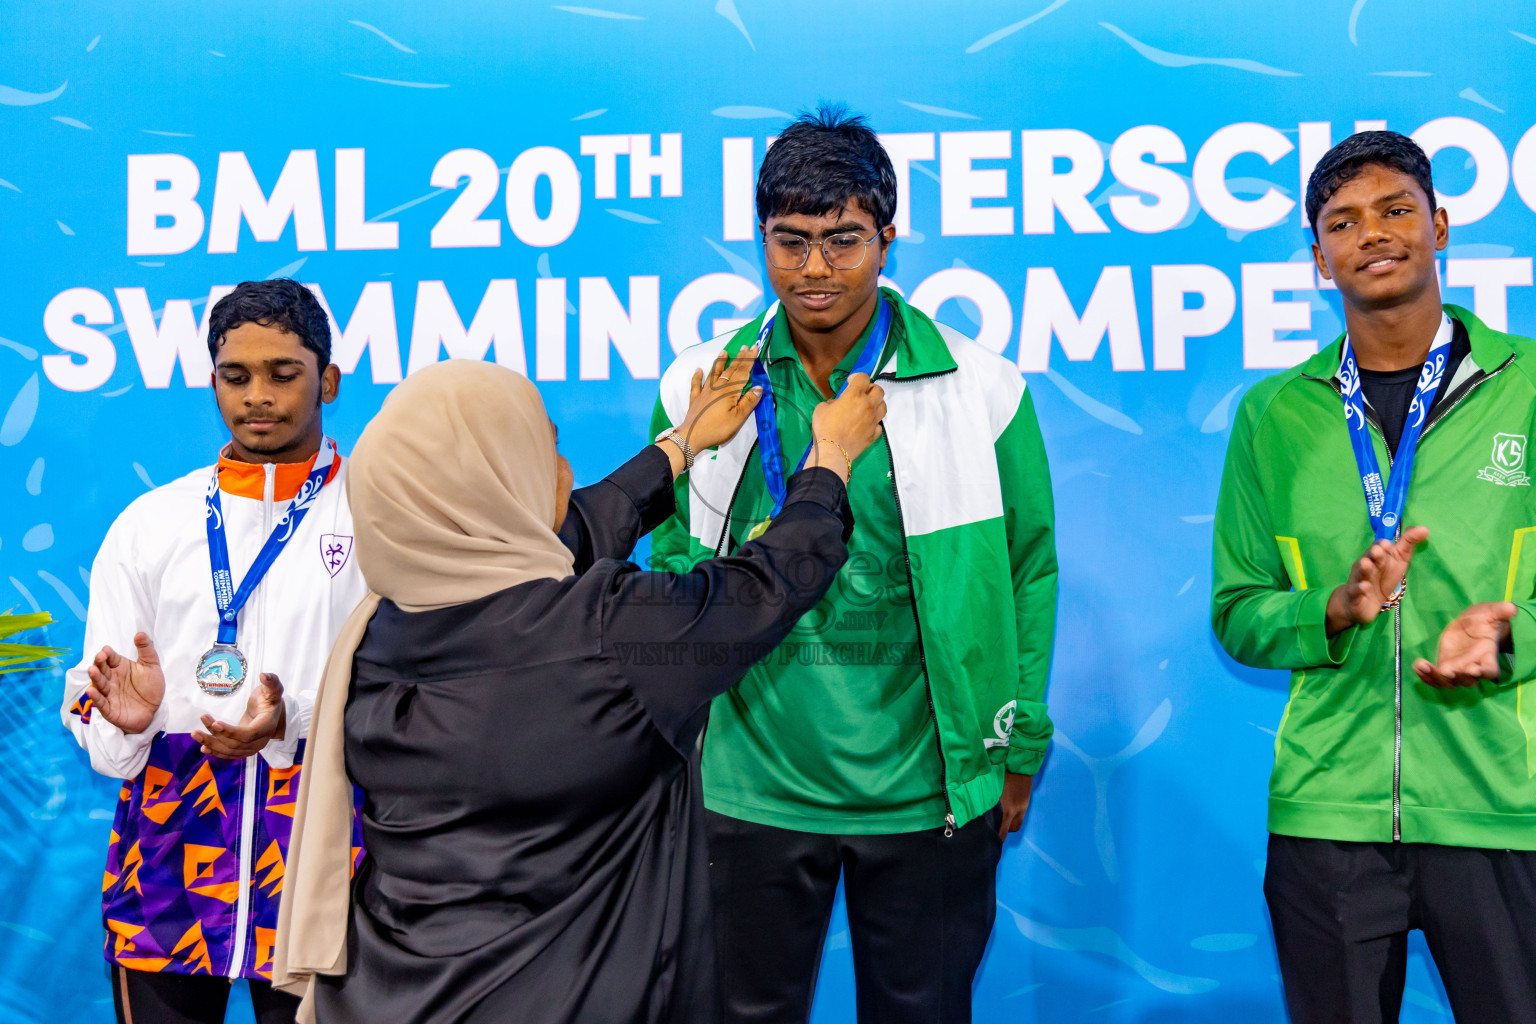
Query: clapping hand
126, 692
1373, 580
264, 719
1469, 647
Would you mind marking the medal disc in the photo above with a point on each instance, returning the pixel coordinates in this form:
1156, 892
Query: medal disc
221, 671
760, 529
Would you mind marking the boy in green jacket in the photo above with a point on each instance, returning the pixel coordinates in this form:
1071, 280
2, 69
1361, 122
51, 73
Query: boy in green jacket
892, 739
1371, 536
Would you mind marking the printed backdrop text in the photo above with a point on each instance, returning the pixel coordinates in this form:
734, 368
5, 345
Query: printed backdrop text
1108, 192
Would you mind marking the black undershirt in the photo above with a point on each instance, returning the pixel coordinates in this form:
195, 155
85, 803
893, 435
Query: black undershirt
1390, 392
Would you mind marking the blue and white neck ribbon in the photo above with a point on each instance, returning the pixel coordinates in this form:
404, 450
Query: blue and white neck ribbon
229, 598
1385, 503
766, 412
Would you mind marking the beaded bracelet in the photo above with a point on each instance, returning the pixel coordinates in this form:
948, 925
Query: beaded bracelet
840, 448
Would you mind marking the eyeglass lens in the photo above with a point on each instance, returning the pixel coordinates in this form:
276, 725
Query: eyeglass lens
843, 252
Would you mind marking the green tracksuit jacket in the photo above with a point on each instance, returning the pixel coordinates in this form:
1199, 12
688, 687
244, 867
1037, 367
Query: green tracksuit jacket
972, 493
1366, 751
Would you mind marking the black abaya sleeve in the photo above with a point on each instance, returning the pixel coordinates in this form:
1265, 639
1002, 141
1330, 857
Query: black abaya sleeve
680, 639
607, 519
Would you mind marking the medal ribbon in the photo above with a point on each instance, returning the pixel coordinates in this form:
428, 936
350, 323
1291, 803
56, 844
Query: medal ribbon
1385, 504
229, 598
766, 413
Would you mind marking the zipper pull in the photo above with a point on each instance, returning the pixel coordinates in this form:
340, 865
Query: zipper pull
949, 825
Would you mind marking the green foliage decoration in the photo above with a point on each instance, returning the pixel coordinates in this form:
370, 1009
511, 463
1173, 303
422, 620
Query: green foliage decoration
24, 657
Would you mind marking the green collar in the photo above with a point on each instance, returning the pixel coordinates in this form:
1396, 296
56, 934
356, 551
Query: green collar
1490, 348
915, 348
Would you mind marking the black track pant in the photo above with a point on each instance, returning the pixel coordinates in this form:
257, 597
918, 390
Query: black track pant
920, 910
1342, 913
144, 997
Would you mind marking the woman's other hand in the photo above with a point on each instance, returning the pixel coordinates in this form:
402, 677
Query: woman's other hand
847, 425
719, 404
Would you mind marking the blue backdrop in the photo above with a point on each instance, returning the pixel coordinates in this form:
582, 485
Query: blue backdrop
598, 166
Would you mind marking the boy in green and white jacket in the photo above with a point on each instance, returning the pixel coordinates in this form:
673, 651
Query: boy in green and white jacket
1404, 788
893, 737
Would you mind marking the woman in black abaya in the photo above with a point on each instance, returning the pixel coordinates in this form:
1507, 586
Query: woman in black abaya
522, 711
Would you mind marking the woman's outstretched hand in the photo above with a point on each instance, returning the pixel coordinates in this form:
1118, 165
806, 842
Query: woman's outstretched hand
718, 404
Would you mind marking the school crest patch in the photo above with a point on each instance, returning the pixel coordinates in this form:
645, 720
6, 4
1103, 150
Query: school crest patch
1508, 462
335, 549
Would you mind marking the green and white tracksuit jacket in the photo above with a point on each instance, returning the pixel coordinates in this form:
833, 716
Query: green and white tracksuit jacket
972, 492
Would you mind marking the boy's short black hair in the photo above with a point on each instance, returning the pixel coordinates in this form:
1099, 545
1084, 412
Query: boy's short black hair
282, 303
1344, 162
821, 162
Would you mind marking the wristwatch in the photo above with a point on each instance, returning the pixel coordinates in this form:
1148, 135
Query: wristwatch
675, 436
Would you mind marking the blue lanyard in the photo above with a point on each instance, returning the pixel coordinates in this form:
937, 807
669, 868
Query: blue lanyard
1385, 504
230, 599
767, 415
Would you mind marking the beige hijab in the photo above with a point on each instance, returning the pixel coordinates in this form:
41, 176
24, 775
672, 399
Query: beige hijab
452, 488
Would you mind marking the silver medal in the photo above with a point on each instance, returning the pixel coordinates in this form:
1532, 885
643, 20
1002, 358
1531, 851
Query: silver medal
222, 670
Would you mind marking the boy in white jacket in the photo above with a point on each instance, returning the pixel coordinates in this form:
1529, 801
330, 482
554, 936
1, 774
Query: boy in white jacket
228, 587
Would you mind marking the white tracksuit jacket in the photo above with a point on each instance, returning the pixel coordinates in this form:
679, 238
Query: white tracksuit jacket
199, 843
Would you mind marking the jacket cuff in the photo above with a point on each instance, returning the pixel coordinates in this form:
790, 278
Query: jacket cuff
821, 486
1317, 647
280, 753
1024, 760
121, 755
143, 738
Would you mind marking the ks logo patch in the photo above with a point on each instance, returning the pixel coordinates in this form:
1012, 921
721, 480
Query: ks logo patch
1508, 468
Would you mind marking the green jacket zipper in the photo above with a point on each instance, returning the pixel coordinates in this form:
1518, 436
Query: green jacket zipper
730, 506
922, 656
1452, 402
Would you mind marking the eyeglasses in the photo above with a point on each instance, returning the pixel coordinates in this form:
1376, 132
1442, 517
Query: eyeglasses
844, 251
